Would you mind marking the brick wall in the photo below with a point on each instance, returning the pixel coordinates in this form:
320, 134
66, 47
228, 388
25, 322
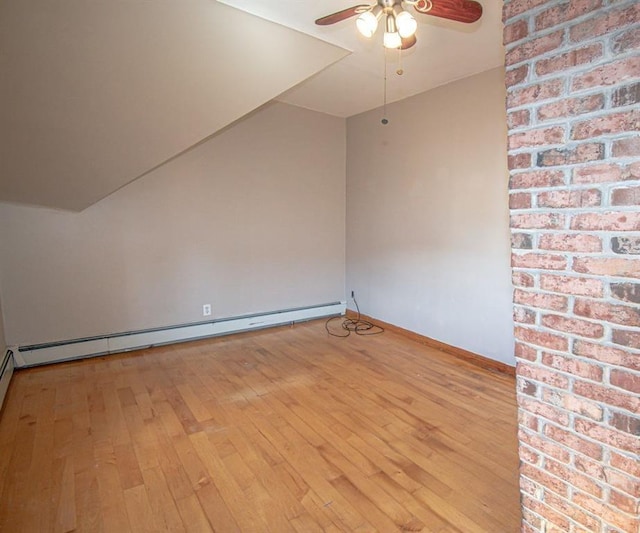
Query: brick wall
573, 99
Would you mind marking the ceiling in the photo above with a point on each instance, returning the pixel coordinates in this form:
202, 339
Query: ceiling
96, 93
446, 51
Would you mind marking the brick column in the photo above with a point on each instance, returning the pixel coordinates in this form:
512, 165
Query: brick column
573, 99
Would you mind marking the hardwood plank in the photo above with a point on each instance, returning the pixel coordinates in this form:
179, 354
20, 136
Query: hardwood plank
285, 429
192, 514
139, 511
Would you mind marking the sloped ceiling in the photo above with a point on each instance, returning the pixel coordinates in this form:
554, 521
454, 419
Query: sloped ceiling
446, 51
95, 93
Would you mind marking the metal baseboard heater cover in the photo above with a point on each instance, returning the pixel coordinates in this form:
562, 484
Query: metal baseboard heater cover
39, 354
6, 371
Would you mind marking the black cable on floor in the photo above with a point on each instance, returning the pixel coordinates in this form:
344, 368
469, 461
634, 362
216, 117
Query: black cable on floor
356, 325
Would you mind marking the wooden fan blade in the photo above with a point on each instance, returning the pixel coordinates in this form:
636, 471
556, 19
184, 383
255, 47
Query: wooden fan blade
342, 15
408, 42
459, 10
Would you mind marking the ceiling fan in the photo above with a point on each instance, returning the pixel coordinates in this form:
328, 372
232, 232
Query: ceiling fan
399, 24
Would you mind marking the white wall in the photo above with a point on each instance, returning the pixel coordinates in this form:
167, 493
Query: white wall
250, 221
427, 215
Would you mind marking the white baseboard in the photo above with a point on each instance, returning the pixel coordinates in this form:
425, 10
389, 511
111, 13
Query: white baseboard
6, 371
122, 342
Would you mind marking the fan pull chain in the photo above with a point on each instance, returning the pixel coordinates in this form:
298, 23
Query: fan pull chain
400, 70
384, 120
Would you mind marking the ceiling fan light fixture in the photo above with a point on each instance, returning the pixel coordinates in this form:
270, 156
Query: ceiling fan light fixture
392, 40
391, 37
407, 25
367, 22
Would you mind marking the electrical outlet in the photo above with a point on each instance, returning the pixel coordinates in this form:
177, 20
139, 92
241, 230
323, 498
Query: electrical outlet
206, 310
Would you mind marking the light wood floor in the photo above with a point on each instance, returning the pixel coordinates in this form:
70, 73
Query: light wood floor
279, 430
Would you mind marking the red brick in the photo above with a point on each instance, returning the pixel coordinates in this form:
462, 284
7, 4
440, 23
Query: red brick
544, 261
571, 107
527, 527
517, 7
570, 285
626, 424
574, 478
617, 314
626, 121
626, 95
567, 60
522, 351
610, 221
626, 338
591, 468
609, 20
624, 503
538, 221
515, 76
527, 421
573, 441
626, 196
551, 517
558, 14
628, 147
606, 513
582, 153
607, 436
520, 200
576, 514
532, 523
519, 161
609, 74
573, 326
623, 482
537, 137
627, 292
631, 172
530, 456
606, 395
625, 464
601, 173
562, 199
582, 407
540, 300
573, 366
521, 241
541, 374
538, 178
517, 119
534, 48
607, 266
544, 410
526, 485
515, 31
570, 242
543, 478
629, 40
524, 316
625, 380
527, 387
522, 279
626, 245
606, 354
535, 93
546, 446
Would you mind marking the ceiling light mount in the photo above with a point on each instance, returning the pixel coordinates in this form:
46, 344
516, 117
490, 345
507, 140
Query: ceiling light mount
399, 24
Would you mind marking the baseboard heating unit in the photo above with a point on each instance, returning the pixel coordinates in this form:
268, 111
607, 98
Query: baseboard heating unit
39, 354
6, 371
